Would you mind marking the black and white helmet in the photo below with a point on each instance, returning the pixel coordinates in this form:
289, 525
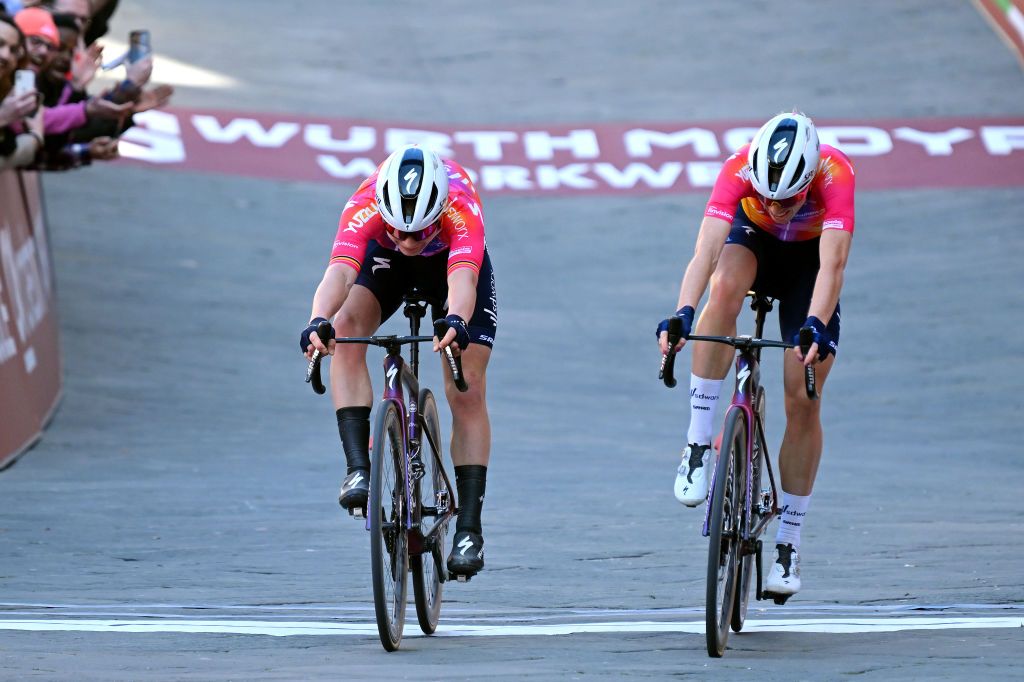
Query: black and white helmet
783, 156
412, 188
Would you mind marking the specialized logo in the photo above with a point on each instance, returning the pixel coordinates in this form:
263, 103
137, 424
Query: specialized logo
392, 373
749, 230
410, 181
355, 481
742, 376
780, 149
465, 545
380, 263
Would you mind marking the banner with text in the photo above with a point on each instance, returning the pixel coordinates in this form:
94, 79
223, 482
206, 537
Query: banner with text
566, 159
30, 371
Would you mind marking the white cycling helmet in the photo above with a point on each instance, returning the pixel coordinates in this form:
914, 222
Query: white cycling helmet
412, 188
783, 156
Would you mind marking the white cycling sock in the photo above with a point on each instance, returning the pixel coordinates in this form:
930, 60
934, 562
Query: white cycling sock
794, 509
703, 398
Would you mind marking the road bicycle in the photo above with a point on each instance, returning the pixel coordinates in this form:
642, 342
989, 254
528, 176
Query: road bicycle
739, 508
412, 499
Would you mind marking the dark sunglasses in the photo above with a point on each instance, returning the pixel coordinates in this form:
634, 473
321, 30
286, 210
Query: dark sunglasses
785, 204
417, 236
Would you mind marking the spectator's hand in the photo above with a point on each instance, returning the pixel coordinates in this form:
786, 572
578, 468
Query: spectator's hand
34, 123
16, 107
140, 72
103, 148
85, 64
155, 98
100, 107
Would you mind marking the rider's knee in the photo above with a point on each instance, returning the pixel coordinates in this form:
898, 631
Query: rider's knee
472, 401
801, 408
726, 294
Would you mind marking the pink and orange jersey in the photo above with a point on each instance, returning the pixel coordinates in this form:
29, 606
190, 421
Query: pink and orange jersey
829, 204
462, 225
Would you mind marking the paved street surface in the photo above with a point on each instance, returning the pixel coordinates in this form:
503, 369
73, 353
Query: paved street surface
181, 510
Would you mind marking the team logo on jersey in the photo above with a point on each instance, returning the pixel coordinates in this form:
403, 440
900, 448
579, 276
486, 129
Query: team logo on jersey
361, 217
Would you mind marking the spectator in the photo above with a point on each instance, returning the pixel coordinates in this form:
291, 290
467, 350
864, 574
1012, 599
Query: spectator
42, 40
21, 117
68, 145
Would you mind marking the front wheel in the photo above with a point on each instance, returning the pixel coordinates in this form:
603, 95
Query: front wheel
747, 566
434, 495
724, 544
389, 548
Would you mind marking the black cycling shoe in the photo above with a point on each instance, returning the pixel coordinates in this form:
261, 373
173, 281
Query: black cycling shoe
467, 557
355, 490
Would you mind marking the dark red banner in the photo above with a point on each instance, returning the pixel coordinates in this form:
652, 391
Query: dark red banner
30, 372
561, 159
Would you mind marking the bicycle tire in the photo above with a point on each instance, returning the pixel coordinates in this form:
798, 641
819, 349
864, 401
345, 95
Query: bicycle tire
747, 567
389, 548
723, 547
426, 567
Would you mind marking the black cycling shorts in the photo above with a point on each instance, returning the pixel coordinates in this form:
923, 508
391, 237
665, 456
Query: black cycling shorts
786, 271
389, 276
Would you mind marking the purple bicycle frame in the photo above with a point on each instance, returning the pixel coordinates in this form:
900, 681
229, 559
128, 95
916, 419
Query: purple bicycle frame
398, 375
748, 381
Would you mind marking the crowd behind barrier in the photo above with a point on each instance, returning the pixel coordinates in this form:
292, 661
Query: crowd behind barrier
50, 54
30, 367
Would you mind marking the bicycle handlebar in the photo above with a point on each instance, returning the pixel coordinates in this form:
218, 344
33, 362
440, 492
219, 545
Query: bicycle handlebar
675, 329
323, 330
806, 340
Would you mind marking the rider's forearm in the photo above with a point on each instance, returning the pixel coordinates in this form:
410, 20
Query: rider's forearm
332, 291
710, 241
826, 293
462, 293
835, 247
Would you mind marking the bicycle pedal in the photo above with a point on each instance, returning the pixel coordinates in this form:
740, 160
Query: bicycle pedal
357, 512
460, 577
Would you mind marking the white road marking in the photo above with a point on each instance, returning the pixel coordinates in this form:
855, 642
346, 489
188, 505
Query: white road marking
287, 629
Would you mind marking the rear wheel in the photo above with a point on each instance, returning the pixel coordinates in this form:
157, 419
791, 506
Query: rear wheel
747, 567
389, 549
723, 547
433, 495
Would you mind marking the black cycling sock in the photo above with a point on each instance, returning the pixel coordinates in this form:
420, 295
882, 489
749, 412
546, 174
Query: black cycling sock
470, 479
354, 429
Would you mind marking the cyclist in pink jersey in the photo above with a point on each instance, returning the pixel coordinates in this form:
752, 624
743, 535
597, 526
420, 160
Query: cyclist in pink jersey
779, 221
415, 222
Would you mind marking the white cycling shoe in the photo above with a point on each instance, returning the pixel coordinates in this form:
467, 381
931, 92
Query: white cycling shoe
693, 475
784, 576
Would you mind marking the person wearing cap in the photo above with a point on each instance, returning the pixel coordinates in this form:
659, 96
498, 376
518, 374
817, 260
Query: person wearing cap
43, 43
41, 36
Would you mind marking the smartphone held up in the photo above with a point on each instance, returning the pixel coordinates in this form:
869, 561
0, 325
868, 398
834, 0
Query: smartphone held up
139, 46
